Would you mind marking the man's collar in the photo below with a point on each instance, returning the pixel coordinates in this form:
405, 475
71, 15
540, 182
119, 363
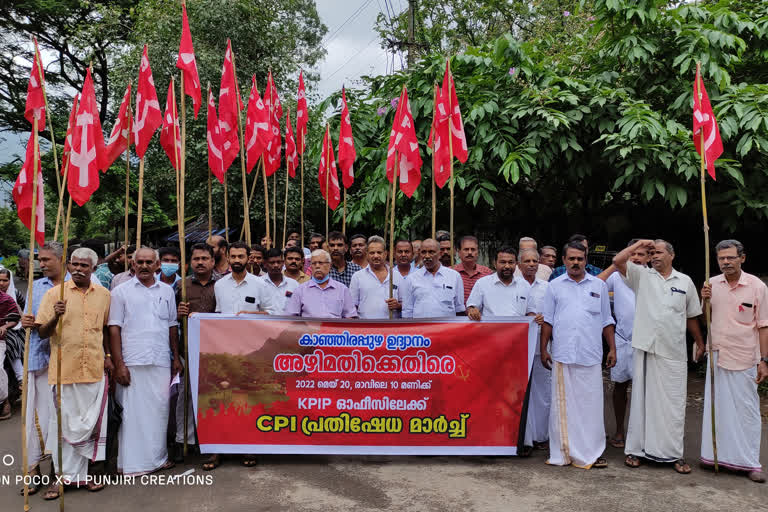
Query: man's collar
211, 279
587, 277
424, 270
135, 278
331, 284
515, 280
71, 285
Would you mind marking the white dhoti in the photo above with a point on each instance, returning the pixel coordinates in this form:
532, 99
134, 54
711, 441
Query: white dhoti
539, 401
657, 410
737, 418
144, 428
576, 426
83, 429
622, 371
40, 404
180, 415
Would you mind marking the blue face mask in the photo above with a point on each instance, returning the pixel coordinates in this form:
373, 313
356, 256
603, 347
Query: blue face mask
325, 280
168, 269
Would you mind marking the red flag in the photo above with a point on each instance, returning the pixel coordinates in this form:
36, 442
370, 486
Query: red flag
87, 147
35, 107
271, 99
291, 156
68, 139
302, 115
187, 64
704, 119
274, 147
452, 113
148, 115
257, 127
22, 191
347, 151
118, 139
403, 140
170, 136
215, 158
438, 141
229, 101
328, 165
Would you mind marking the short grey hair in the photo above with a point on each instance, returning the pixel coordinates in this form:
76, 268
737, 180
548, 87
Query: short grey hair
528, 249
727, 244
145, 248
376, 239
527, 239
55, 247
321, 253
670, 249
86, 254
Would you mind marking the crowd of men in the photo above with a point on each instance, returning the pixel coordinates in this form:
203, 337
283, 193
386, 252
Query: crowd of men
122, 326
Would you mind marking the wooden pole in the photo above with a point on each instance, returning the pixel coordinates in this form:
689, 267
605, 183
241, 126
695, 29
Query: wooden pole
274, 209
450, 156
139, 204
210, 206
183, 247
327, 173
246, 214
386, 216
226, 210
59, 330
60, 206
266, 198
302, 192
30, 280
250, 199
127, 190
434, 190
285, 205
392, 229
344, 214
707, 303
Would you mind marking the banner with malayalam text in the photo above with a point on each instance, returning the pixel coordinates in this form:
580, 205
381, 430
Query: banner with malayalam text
263, 384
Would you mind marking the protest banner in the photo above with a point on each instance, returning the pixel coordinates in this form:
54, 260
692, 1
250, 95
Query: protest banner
264, 384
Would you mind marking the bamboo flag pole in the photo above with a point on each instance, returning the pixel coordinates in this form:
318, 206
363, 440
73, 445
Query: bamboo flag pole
30, 280
250, 199
139, 203
392, 230
53, 138
183, 246
303, 146
285, 207
344, 214
434, 191
266, 197
327, 173
386, 216
62, 189
210, 207
450, 155
59, 330
274, 209
707, 303
127, 180
246, 214
226, 210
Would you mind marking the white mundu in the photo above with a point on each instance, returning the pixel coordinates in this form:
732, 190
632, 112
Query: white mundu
540, 397
578, 312
494, 298
657, 425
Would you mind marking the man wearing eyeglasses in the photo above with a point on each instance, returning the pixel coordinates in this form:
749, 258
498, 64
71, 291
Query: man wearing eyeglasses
321, 296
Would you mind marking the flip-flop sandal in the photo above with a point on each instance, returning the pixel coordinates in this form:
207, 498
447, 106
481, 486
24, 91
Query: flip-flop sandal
680, 466
616, 443
632, 461
249, 462
600, 463
92, 487
211, 463
32, 489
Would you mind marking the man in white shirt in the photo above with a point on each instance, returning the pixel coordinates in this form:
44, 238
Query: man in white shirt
666, 304
624, 311
240, 291
144, 340
540, 396
501, 293
542, 271
577, 314
370, 286
279, 287
433, 291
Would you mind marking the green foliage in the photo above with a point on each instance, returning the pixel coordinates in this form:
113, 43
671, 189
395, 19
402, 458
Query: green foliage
594, 114
15, 235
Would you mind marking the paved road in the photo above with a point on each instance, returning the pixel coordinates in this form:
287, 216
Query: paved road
331, 483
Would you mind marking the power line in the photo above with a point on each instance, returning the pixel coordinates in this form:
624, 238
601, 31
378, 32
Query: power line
351, 17
352, 57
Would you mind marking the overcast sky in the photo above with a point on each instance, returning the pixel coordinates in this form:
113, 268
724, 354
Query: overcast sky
352, 44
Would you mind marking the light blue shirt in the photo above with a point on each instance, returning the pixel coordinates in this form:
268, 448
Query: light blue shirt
577, 312
39, 349
425, 295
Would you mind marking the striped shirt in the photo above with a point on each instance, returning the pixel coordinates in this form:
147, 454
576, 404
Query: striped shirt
39, 349
469, 279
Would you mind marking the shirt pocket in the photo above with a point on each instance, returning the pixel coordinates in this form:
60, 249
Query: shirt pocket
677, 301
445, 295
594, 305
94, 321
745, 315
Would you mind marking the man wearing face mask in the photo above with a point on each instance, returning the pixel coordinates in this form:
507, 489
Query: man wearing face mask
169, 265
